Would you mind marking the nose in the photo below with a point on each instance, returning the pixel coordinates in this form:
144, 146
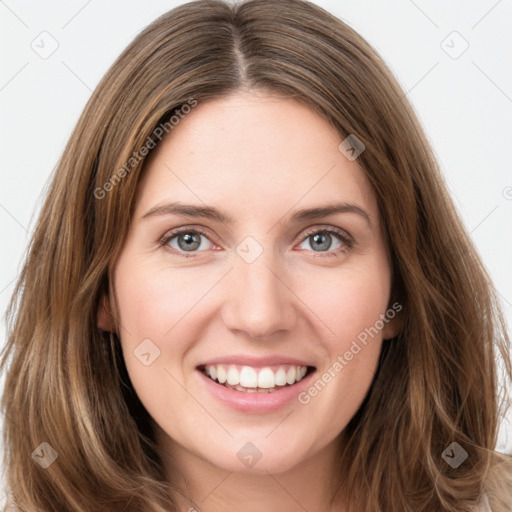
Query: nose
259, 302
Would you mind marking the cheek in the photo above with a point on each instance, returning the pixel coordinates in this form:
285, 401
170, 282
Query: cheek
151, 301
154, 305
349, 302
164, 306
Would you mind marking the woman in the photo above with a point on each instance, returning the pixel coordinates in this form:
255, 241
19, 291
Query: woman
177, 341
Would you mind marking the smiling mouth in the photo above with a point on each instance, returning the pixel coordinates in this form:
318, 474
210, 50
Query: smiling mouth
256, 380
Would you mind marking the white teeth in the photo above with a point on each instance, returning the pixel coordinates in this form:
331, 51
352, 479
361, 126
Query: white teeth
233, 376
290, 376
248, 377
281, 377
249, 390
266, 378
221, 374
255, 379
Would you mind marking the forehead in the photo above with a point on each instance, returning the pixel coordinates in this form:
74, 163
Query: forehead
256, 153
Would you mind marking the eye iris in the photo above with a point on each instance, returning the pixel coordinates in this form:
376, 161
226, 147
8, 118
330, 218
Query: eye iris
324, 239
191, 241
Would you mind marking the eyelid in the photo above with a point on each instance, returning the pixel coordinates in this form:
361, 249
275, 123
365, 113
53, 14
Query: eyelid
168, 235
343, 235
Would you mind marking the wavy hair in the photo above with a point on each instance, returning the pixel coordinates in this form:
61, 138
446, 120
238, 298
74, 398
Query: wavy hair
437, 381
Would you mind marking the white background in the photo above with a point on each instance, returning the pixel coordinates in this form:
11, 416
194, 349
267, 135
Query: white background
464, 103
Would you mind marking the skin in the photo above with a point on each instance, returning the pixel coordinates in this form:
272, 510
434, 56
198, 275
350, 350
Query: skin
257, 158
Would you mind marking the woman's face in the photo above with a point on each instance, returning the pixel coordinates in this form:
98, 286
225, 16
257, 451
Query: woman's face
257, 297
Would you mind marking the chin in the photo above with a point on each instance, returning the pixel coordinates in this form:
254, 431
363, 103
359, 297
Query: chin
263, 466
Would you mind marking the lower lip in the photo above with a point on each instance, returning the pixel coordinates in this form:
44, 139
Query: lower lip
255, 403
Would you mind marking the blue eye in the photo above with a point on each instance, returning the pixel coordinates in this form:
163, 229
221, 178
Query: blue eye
322, 239
187, 240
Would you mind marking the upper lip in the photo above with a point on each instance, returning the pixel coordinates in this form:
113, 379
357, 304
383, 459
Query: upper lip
257, 362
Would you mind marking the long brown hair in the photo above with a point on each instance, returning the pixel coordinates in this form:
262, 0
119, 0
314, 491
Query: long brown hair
437, 381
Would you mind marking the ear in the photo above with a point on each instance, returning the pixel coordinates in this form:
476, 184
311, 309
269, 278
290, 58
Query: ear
394, 323
105, 319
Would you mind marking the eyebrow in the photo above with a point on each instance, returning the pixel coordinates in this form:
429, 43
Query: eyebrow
208, 212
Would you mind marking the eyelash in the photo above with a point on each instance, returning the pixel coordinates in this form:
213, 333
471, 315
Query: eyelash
343, 236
